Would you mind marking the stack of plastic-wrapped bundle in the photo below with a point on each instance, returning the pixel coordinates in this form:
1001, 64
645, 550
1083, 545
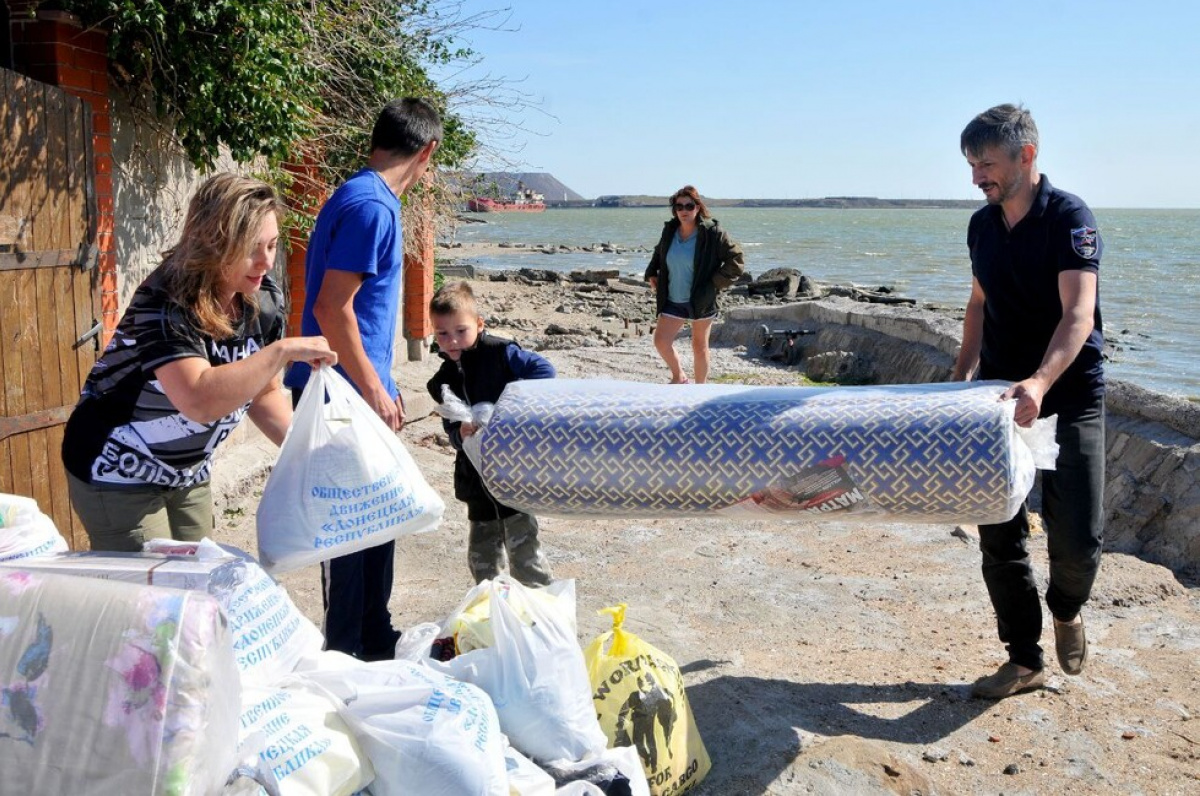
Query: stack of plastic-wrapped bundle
186, 669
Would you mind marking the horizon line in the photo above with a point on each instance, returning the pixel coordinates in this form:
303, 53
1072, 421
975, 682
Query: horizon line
552, 202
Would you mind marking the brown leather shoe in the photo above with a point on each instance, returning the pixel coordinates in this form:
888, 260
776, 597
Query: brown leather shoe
1070, 642
1007, 681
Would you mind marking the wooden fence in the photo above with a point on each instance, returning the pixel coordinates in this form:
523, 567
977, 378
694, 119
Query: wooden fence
49, 313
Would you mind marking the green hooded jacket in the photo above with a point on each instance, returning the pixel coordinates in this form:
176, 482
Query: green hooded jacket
719, 263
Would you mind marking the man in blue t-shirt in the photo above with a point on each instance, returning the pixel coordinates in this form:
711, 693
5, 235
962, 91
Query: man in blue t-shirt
352, 297
1033, 318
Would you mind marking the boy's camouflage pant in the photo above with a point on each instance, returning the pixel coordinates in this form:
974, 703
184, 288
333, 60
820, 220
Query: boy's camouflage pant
517, 535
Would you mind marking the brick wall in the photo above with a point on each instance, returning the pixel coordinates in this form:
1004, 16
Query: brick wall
303, 194
418, 267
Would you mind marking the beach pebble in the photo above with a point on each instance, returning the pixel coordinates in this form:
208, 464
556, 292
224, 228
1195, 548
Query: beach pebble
935, 755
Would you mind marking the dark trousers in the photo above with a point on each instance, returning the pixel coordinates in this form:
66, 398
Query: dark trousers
1073, 516
355, 590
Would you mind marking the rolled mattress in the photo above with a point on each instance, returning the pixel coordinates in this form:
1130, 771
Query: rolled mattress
904, 453
113, 688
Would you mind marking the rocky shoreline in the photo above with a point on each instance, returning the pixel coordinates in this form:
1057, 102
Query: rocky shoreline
774, 287
608, 294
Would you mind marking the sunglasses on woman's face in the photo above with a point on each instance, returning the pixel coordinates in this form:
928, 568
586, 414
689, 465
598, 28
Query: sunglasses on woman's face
685, 206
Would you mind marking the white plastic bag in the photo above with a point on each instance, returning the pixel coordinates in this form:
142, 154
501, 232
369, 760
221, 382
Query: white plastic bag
343, 482
616, 770
1042, 439
425, 733
525, 777
535, 675
416, 641
299, 744
25, 532
456, 409
470, 626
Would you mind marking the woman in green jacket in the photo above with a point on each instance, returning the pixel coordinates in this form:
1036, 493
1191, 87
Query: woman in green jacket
692, 262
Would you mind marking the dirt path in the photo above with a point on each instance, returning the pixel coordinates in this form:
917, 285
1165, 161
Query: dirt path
833, 657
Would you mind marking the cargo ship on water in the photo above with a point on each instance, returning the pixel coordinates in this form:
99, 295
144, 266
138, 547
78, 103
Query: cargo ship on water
523, 200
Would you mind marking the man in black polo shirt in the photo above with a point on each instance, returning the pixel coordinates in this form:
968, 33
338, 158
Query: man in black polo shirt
1034, 318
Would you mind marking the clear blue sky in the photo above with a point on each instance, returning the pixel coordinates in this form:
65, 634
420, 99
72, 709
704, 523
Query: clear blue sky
799, 99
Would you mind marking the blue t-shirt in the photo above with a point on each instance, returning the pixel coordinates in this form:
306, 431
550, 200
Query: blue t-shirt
681, 268
358, 230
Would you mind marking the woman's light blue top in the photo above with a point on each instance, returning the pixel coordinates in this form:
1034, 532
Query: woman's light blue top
681, 267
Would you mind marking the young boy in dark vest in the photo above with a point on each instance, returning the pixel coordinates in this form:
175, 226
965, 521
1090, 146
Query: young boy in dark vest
477, 368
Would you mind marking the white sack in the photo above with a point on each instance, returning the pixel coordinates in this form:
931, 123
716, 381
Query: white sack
343, 482
301, 744
416, 641
25, 532
535, 674
525, 777
425, 732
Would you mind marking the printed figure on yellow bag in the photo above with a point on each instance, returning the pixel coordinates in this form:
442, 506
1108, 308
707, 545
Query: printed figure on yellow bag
640, 701
645, 706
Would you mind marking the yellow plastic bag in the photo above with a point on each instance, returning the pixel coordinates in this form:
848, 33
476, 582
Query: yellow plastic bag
640, 701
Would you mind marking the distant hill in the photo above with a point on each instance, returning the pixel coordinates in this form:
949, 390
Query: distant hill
506, 183
502, 183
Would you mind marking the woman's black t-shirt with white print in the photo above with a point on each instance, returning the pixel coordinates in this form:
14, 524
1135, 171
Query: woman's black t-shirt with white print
124, 430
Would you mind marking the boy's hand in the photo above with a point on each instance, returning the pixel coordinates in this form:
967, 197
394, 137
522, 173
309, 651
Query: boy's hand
467, 429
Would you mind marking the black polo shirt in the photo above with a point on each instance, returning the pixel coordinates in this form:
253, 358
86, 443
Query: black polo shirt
1018, 271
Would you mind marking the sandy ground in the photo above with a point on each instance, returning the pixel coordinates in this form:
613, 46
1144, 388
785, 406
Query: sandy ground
820, 657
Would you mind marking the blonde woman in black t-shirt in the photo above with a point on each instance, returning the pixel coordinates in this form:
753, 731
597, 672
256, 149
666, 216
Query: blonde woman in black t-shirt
200, 346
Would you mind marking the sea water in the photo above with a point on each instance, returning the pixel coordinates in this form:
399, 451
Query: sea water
1149, 274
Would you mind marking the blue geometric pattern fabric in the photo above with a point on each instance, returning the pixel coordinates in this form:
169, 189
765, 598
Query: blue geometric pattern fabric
910, 453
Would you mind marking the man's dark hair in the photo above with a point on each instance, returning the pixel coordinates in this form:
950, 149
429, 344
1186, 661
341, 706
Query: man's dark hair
406, 125
1007, 126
